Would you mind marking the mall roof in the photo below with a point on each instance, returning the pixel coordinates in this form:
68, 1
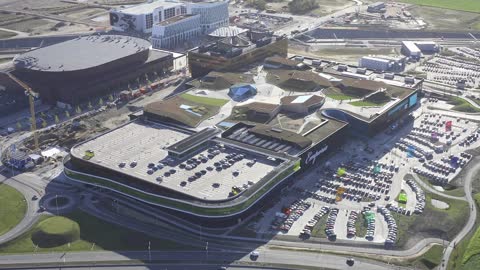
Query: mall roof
281, 134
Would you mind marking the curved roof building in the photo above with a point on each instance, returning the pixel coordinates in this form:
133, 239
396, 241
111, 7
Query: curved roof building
81, 68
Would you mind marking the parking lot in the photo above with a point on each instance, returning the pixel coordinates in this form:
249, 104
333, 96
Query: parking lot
138, 150
460, 69
364, 182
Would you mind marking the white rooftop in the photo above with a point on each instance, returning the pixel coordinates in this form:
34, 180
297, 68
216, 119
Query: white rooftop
302, 99
411, 46
148, 7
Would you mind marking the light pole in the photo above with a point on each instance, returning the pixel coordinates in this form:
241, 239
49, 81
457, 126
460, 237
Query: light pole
149, 252
56, 202
206, 250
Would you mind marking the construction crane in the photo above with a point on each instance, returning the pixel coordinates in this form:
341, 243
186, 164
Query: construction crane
31, 99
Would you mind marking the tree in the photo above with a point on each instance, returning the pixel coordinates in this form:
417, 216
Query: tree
67, 114
90, 105
78, 110
110, 98
258, 4
302, 6
100, 102
57, 120
44, 124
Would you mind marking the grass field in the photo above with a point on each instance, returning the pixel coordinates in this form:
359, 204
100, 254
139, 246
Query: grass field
6, 34
361, 226
4, 60
431, 259
461, 105
473, 247
12, 208
319, 228
341, 97
434, 222
365, 104
467, 247
205, 100
463, 5
451, 190
93, 232
446, 19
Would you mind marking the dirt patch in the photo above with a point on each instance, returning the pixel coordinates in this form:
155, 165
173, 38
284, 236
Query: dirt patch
439, 204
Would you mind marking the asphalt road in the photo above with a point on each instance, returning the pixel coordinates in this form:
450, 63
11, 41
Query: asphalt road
158, 266
277, 257
471, 220
32, 206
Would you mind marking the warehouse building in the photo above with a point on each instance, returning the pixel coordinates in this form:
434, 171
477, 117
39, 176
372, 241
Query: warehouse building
382, 63
414, 49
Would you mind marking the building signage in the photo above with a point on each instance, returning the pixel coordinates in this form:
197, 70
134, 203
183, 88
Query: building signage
312, 155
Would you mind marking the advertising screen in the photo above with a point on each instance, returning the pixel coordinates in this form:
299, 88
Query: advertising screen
412, 100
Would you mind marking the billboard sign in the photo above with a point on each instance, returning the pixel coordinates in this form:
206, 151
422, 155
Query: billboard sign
313, 154
125, 22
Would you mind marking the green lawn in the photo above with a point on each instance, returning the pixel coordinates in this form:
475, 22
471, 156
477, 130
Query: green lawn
365, 103
205, 100
6, 34
319, 228
430, 259
361, 226
4, 60
444, 223
473, 247
341, 97
449, 189
463, 5
105, 235
462, 105
12, 208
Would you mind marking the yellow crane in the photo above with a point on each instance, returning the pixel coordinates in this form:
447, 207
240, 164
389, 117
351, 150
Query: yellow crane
31, 99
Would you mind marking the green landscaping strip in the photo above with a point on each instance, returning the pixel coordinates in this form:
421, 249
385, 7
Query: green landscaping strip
462, 105
13, 208
340, 97
205, 100
365, 104
462, 5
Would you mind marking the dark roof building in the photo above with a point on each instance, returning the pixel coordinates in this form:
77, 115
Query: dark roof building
82, 68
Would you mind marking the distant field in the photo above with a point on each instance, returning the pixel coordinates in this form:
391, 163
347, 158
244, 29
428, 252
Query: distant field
463, 5
5, 34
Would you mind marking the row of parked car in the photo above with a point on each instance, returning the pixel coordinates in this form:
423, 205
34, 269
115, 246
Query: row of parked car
436, 179
307, 230
352, 219
469, 140
329, 227
420, 196
366, 212
399, 209
295, 211
392, 227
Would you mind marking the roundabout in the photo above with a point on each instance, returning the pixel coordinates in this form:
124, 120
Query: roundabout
59, 204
